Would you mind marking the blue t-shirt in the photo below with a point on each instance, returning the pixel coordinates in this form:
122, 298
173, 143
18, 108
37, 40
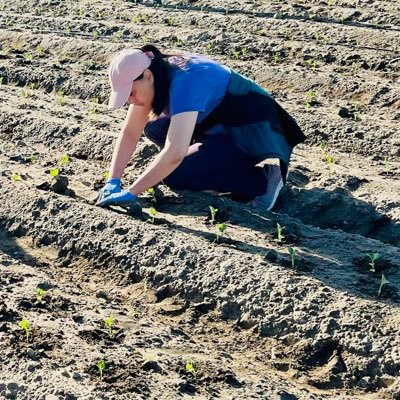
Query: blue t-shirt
197, 84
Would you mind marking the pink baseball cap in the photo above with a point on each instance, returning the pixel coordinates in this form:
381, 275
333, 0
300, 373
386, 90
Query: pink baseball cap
125, 67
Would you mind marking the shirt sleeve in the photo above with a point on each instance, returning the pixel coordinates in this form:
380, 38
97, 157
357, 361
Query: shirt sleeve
190, 92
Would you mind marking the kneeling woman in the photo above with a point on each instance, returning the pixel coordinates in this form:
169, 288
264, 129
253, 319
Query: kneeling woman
212, 124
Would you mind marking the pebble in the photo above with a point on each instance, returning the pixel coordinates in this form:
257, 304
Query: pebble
76, 375
30, 352
101, 294
286, 396
31, 366
66, 374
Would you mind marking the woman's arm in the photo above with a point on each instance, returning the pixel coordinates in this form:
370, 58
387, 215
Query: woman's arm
128, 138
176, 147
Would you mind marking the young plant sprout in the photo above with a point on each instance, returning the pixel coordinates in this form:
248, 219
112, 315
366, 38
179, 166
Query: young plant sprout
152, 193
109, 323
373, 257
292, 252
312, 63
40, 293
31, 158
60, 98
213, 212
64, 160
153, 213
279, 230
101, 365
16, 177
24, 324
384, 281
220, 231
106, 175
94, 103
190, 368
310, 98
330, 160
54, 172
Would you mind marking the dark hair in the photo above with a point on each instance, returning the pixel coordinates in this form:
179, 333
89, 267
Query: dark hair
159, 67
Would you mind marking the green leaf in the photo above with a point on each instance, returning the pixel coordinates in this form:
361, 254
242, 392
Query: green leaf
64, 159
190, 367
24, 324
16, 177
54, 172
221, 227
374, 256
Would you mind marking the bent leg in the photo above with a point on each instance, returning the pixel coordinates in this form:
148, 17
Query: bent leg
219, 165
157, 130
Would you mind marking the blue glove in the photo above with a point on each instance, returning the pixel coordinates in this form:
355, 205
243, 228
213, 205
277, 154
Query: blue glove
124, 198
113, 185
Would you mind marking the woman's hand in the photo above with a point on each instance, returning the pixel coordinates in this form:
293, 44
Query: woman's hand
122, 198
113, 185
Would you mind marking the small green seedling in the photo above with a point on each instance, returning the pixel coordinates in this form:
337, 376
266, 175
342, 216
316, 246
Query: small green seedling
152, 193
60, 98
64, 160
106, 175
31, 158
213, 212
279, 230
373, 257
16, 177
94, 105
28, 57
171, 22
153, 213
276, 58
54, 172
24, 324
330, 161
190, 367
384, 281
220, 231
101, 365
40, 293
310, 98
312, 63
236, 54
109, 323
292, 252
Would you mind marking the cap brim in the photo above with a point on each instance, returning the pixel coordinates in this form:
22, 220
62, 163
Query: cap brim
118, 99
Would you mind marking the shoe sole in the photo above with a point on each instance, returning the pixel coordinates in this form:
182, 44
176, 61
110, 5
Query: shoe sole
276, 194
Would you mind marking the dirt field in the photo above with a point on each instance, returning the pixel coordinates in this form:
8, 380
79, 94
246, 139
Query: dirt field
196, 317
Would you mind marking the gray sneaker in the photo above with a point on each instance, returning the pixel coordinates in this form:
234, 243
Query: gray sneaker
274, 185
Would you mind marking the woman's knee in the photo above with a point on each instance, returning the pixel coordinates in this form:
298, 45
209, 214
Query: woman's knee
157, 130
177, 179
